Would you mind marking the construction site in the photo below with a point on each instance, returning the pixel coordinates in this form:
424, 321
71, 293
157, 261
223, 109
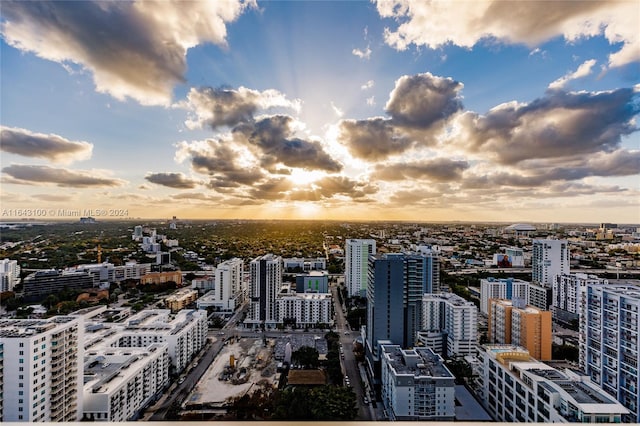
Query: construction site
242, 365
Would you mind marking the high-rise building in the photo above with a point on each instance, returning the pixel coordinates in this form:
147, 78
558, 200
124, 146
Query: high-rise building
609, 341
454, 318
266, 280
540, 296
9, 274
416, 385
548, 259
228, 288
396, 284
357, 252
502, 288
520, 325
517, 388
42, 372
120, 382
566, 291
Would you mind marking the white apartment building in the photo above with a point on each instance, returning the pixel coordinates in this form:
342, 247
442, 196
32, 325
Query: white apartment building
308, 309
548, 259
120, 382
454, 318
416, 385
185, 333
266, 280
502, 288
229, 290
609, 341
205, 284
108, 272
566, 290
9, 274
517, 388
42, 369
356, 261
540, 296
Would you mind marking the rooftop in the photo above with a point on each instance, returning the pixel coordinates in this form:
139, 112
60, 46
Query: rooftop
420, 362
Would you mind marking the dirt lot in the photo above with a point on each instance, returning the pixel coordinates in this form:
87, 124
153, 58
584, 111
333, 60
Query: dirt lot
250, 356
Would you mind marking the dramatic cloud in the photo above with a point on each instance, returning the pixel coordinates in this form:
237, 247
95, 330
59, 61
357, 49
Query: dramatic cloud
228, 107
172, 180
439, 170
423, 99
582, 71
559, 125
275, 142
29, 175
418, 107
52, 147
373, 139
436, 23
331, 186
134, 49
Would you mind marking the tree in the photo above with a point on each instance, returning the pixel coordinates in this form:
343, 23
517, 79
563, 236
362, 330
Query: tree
306, 356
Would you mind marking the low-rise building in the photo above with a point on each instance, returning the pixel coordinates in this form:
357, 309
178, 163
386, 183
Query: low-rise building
181, 299
416, 385
161, 278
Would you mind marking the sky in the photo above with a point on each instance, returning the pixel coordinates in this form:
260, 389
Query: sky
426, 111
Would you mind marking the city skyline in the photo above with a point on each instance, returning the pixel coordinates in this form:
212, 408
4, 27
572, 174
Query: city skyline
409, 111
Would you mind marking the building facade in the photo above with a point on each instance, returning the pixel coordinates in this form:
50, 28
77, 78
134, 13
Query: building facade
454, 318
502, 288
305, 309
313, 282
42, 372
181, 299
121, 382
548, 259
39, 285
517, 388
357, 252
567, 288
416, 385
9, 274
609, 341
266, 280
520, 325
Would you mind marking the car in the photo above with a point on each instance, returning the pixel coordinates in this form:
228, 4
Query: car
346, 333
221, 333
182, 379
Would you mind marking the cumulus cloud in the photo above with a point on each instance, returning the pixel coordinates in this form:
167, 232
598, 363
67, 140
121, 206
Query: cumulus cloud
133, 49
437, 169
436, 23
229, 107
558, 125
373, 139
276, 143
172, 180
50, 146
583, 70
32, 174
418, 107
423, 99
